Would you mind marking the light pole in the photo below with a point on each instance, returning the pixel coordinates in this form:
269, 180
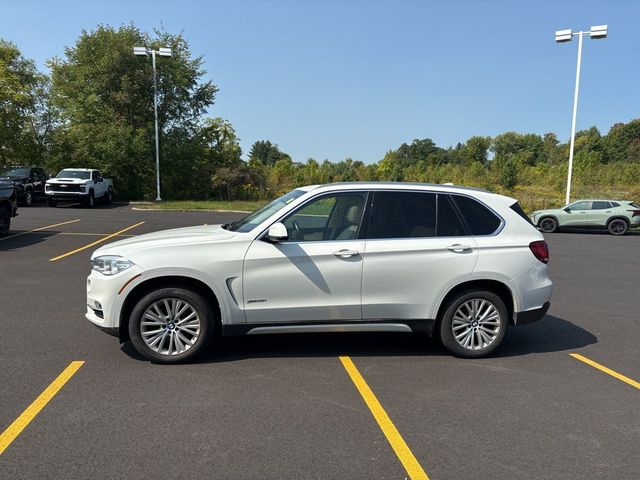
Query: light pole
163, 52
596, 32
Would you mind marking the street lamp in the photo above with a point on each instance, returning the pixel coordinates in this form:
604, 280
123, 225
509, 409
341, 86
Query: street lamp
163, 52
562, 36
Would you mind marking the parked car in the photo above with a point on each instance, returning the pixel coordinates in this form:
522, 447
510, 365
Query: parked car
460, 264
617, 216
84, 185
8, 205
29, 183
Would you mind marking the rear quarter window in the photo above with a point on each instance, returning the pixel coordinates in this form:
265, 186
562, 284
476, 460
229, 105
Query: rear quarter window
479, 219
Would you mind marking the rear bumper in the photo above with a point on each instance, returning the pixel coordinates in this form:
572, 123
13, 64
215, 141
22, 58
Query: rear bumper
529, 316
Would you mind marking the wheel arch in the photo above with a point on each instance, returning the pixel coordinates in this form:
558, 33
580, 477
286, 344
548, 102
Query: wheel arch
499, 288
155, 283
618, 217
548, 215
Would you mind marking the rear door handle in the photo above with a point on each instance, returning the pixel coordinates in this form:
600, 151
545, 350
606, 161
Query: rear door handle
346, 253
458, 248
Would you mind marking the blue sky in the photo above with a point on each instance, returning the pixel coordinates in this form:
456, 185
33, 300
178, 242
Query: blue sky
336, 79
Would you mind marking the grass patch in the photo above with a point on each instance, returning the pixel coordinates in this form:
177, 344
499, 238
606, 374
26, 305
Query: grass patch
239, 205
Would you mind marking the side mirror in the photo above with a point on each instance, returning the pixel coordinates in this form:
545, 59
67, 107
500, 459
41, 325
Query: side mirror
567, 209
277, 233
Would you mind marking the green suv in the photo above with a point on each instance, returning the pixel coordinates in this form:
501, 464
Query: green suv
617, 216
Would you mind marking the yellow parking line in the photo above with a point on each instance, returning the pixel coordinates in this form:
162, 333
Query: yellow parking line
82, 234
20, 423
606, 370
39, 229
95, 243
398, 444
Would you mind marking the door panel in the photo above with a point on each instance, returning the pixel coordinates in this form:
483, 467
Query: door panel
416, 244
402, 278
579, 215
303, 281
317, 274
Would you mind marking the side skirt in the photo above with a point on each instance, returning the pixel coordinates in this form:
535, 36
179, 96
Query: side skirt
407, 326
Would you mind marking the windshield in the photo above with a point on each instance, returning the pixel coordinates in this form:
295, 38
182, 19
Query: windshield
16, 173
74, 174
250, 222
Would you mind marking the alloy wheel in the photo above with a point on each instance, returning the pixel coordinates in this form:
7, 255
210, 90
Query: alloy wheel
476, 324
170, 326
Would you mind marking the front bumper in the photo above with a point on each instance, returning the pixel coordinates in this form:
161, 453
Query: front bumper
76, 196
106, 295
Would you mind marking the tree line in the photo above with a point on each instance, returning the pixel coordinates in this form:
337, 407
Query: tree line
95, 109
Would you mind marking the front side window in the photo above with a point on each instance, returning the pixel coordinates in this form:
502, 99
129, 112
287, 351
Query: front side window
402, 215
479, 219
254, 219
329, 217
579, 206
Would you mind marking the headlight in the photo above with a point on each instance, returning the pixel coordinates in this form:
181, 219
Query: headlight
110, 264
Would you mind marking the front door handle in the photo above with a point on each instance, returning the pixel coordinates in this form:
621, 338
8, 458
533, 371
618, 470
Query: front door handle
458, 248
344, 253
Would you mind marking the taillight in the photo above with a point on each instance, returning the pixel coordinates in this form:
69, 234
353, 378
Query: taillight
634, 213
540, 250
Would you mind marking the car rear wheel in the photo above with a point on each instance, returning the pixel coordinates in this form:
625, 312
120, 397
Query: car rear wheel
171, 325
617, 226
474, 324
108, 197
548, 225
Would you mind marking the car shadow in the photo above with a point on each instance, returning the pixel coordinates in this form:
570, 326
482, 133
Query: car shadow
550, 334
17, 239
98, 206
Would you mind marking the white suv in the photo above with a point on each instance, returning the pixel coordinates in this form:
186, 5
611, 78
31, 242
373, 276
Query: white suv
457, 263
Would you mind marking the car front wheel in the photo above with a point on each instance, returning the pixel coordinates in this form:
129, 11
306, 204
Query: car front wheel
474, 324
548, 225
171, 325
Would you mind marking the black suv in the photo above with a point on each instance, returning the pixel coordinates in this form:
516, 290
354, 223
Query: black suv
8, 205
29, 183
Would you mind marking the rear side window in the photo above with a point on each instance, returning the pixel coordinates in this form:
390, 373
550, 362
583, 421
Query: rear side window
518, 209
616, 205
479, 219
402, 215
600, 205
449, 224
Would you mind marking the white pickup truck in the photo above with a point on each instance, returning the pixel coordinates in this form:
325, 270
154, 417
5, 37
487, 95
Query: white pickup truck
84, 185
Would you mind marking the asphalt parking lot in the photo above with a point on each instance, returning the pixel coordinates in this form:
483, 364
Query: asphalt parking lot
286, 407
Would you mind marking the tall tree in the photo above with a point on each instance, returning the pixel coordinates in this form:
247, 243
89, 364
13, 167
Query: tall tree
266, 152
104, 94
24, 118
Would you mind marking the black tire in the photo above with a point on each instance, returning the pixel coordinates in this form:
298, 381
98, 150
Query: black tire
618, 226
548, 225
90, 202
5, 221
28, 198
198, 304
108, 197
447, 335
52, 202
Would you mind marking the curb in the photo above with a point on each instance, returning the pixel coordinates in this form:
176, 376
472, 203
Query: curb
186, 210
